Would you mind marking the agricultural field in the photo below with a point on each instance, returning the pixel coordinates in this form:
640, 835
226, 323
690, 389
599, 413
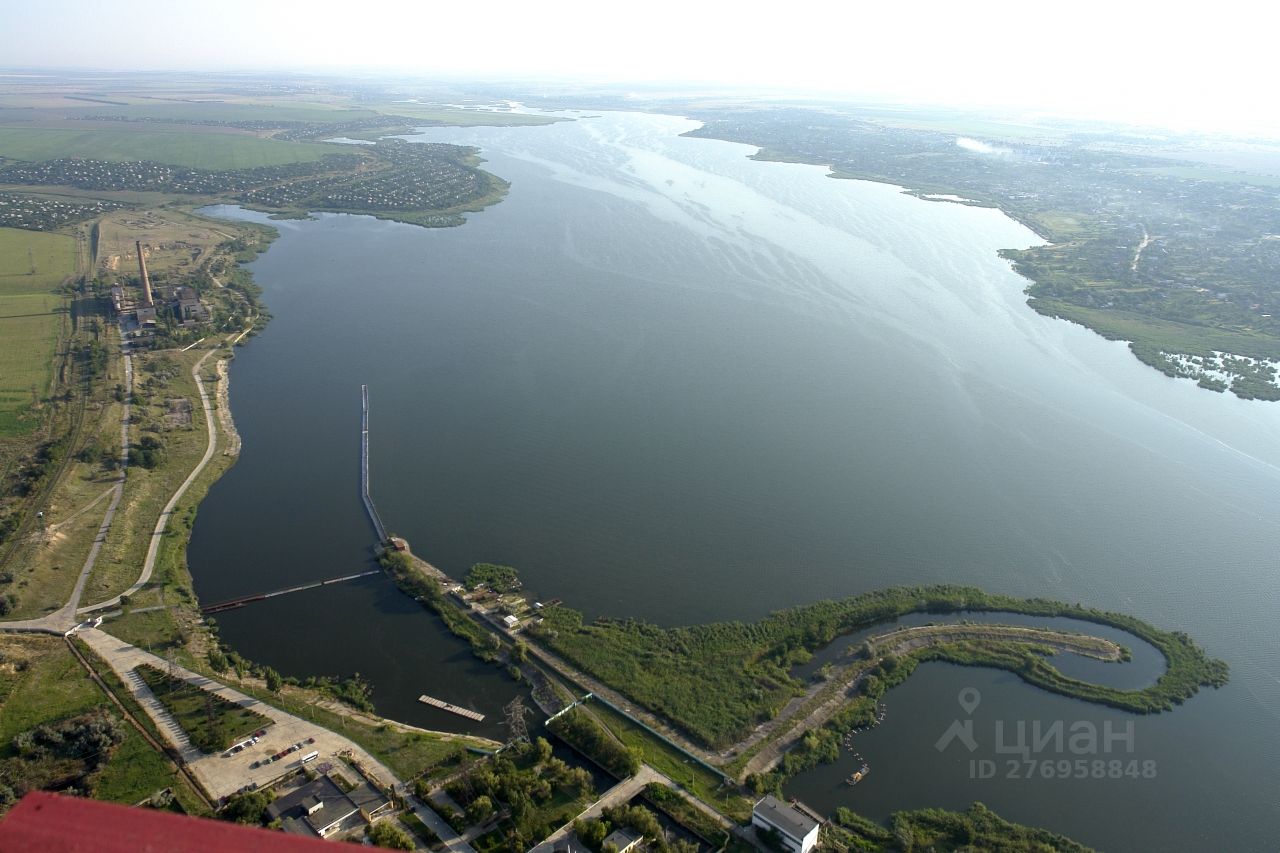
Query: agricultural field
32, 266
175, 147
224, 111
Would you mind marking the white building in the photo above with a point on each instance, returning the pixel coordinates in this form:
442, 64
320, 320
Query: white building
797, 831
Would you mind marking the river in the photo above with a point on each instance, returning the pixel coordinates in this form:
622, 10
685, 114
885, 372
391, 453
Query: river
670, 382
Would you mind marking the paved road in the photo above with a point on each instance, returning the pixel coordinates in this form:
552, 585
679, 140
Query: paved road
221, 774
900, 642
162, 522
452, 841
617, 795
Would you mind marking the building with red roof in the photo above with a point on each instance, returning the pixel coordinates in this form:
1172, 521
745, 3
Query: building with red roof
52, 823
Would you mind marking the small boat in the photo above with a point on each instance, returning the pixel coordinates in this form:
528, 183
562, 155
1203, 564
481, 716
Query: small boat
859, 775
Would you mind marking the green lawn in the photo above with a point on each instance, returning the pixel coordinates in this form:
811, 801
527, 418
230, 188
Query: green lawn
53, 686
212, 723
135, 772
229, 111
34, 261
32, 265
198, 149
50, 686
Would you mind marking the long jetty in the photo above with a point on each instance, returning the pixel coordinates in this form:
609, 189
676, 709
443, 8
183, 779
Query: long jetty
440, 703
364, 466
263, 596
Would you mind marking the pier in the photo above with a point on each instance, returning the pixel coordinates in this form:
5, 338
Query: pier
263, 596
364, 466
461, 712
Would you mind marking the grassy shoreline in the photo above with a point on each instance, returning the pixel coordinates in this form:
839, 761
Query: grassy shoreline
717, 681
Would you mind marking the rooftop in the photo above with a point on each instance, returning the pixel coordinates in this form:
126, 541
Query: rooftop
785, 817
49, 823
317, 804
622, 839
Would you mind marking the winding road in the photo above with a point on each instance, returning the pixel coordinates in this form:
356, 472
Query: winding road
162, 523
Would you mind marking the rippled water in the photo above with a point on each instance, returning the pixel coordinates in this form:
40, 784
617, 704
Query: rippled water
670, 382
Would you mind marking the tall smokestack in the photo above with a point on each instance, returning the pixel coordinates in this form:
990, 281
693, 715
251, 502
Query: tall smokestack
146, 282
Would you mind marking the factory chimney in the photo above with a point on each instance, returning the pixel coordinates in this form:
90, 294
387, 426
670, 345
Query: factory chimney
146, 282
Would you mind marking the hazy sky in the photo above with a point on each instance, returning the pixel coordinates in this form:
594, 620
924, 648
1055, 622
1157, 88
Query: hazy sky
1188, 65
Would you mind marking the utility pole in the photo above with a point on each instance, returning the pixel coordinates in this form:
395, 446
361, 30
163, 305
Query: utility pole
518, 730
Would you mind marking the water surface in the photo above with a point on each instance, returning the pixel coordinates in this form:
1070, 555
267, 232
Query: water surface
670, 382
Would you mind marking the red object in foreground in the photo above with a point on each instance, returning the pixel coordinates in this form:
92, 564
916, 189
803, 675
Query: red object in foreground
49, 823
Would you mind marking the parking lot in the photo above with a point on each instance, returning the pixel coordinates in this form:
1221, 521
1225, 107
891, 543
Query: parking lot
224, 773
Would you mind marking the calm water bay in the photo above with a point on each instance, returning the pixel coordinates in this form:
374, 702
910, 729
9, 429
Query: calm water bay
668, 381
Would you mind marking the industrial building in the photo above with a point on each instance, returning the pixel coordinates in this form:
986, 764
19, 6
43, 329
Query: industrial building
796, 829
321, 807
183, 303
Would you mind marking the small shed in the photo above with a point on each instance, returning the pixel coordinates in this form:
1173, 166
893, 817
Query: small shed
622, 840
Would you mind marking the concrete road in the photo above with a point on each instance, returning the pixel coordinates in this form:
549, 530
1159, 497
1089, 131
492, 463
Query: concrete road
452, 841
221, 774
617, 795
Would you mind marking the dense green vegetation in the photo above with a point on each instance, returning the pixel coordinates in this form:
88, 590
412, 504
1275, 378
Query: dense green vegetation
530, 791
248, 807
211, 722
708, 786
687, 815
426, 589
496, 578
593, 833
977, 828
58, 755
56, 733
579, 730
718, 681
390, 836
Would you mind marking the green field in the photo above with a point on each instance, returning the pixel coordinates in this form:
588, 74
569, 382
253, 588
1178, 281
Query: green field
52, 687
228, 111
32, 264
212, 723
197, 149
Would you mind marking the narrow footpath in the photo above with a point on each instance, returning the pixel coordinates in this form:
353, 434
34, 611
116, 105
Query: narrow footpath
162, 523
64, 618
